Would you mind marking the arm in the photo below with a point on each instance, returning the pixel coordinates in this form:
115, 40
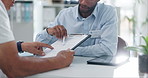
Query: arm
54, 33
106, 41
46, 36
15, 66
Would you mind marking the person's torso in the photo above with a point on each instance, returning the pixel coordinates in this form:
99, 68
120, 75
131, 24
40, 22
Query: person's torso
92, 25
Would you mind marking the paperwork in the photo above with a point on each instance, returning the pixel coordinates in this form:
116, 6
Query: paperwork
71, 42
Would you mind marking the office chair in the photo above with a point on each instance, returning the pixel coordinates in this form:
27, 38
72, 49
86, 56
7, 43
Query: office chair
121, 51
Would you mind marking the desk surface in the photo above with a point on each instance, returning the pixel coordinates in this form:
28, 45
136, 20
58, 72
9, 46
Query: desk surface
79, 68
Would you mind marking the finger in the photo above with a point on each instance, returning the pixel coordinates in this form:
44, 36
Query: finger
64, 34
54, 31
60, 32
69, 54
41, 53
57, 32
63, 31
40, 48
44, 45
71, 51
38, 52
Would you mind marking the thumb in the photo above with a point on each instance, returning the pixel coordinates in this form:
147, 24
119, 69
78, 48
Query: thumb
39, 52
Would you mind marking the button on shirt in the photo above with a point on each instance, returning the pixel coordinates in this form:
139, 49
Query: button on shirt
101, 25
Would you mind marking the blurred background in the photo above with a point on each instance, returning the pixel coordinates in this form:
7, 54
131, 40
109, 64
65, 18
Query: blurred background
29, 17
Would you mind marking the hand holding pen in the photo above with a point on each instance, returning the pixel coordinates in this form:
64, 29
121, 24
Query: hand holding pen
58, 31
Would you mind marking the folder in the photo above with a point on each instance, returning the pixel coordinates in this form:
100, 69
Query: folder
71, 42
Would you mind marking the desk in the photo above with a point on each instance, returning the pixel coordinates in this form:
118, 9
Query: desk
80, 69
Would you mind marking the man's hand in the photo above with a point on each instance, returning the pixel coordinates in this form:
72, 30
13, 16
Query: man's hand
35, 47
65, 57
59, 31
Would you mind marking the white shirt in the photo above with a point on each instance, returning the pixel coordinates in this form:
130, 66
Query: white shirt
6, 34
5, 31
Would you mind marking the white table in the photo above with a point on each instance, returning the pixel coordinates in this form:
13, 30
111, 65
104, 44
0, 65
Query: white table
80, 69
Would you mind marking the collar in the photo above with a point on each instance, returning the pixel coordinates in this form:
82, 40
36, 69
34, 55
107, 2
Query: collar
77, 15
94, 13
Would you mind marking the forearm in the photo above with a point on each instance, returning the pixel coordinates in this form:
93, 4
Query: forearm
93, 50
29, 66
96, 50
14, 66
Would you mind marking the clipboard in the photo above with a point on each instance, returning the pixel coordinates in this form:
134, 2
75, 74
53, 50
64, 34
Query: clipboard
71, 42
81, 41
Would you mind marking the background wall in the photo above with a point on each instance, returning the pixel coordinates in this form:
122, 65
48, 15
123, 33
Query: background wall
45, 11
21, 19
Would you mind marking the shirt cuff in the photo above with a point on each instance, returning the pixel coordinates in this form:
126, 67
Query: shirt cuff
46, 35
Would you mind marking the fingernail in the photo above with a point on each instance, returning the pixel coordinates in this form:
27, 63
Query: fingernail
43, 54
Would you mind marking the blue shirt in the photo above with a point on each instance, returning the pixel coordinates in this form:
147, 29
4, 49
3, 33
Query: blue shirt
101, 25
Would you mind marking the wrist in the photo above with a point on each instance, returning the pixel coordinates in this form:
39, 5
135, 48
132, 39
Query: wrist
23, 46
59, 62
19, 46
49, 31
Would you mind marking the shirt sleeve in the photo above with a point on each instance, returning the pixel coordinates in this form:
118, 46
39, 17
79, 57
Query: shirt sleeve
107, 45
44, 36
6, 34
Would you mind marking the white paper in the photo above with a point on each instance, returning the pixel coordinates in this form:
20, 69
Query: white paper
70, 42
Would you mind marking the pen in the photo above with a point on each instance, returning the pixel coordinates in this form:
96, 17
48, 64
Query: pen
64, 40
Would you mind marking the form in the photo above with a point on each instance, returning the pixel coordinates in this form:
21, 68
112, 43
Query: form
70, 42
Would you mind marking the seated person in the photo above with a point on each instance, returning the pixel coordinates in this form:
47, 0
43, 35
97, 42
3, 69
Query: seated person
89, 17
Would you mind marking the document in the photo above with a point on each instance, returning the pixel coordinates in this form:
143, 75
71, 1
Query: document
70, 42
